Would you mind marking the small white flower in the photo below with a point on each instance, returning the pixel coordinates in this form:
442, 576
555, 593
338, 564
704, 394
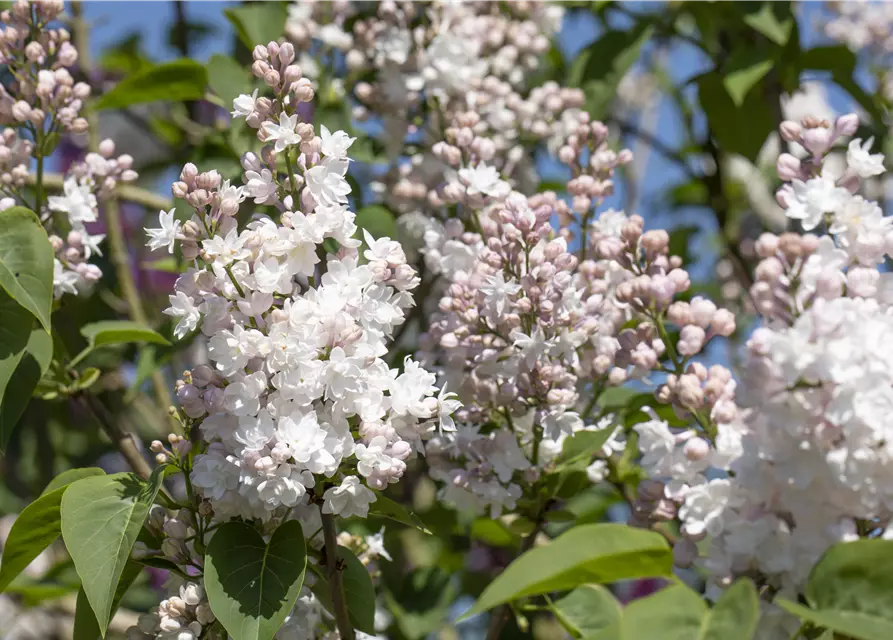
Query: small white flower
244, 105
183, 307
78, 202
349, 499
861, 161
334, 145
167, 234
812, 199
284, 132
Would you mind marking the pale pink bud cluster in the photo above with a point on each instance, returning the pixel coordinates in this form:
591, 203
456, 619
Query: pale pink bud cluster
43, 93
585, 150
105, 169
15, 157
709, 391
782, 259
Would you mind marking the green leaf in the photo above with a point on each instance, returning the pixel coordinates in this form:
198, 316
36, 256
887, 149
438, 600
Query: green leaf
100, 334
26, 262
494, 533
35, 528
359, 592
773, 20
673, 613
735, 615
850, 590
387, 508
588, 554
739, 82
227, 78
178, 80
71, 475
101, 519
85, 625
587, 610
852, 624
738, 129
38, 525
378, 221
15, 330
32, 364
581, 446
252, 585
600, 67
258, 22
854, 576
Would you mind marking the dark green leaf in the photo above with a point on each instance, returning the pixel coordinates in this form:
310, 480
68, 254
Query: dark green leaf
101, 519
587, 610
359, 591
26, 262
378, 221
67, 477
738, 129
387, 508
35, 528
33, 363
85, 625
773, 20
258, 22
177, 80
599, 69
227, 78
251, 585
588, 554
739, 82
100, 334
735, 615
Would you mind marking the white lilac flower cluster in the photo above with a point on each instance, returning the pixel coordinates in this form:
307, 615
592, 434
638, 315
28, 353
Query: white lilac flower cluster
807, 451
299, 397
86, 183
416, 67
37, 55
526, 327
42, 102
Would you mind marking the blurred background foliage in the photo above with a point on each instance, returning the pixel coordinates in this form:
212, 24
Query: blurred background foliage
696, 89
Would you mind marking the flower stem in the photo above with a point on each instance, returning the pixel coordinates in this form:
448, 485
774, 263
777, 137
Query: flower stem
336, 582
130, 293
500, 617
118, 245
126, 442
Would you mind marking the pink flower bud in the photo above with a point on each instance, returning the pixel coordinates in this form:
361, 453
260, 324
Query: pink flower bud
846, 125
790, 130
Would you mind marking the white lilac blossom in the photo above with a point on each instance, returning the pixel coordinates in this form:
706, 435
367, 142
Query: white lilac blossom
797, 457
42, 100
527, 328
300, 415
167, 232
300, 399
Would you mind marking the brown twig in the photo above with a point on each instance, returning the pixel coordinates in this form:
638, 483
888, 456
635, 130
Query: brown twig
127, 443
336, 579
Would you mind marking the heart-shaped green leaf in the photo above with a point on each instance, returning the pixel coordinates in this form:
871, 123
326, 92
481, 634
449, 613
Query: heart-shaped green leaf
100, 334
26, 262
85, 625
594, 554
37, 526
252, 585
183, 79
101, 519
